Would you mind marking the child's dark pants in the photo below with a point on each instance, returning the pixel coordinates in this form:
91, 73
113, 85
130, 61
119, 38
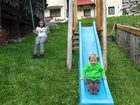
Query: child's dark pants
93, 86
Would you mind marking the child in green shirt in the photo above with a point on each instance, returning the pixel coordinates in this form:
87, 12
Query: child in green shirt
93, 71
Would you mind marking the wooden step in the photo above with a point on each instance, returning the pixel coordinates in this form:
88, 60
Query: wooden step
75, 48
75, 42
76, 33
75, 37
75, 45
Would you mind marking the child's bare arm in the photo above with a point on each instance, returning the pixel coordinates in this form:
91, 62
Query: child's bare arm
35, 32
82, 78
47, 29
104, 77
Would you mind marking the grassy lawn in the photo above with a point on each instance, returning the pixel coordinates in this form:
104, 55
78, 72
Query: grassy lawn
123, 77
127, 20
27, 81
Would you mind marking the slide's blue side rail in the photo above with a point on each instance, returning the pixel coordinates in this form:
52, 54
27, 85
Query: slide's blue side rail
89, 43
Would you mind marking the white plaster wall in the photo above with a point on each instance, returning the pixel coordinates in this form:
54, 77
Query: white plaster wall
62, 4
80, 12
56, 2
118, 6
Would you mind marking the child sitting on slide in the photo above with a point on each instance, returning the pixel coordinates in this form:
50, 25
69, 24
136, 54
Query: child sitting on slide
92, 71
41, 38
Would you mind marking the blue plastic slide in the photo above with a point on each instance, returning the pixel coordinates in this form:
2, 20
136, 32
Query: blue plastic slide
89, 43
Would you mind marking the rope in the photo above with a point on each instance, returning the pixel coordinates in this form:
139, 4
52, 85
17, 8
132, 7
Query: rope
43, 12
33, 21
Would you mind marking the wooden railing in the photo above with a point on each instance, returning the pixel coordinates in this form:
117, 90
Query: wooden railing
133, 30
128, 38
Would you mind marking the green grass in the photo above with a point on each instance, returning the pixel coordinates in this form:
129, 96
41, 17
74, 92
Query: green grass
123, 77
27, 81
137, 7
87, 22
126, 20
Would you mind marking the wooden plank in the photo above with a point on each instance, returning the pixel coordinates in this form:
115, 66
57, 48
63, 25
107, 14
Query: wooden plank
76, 42
99, 14
76, 33
129, 29
75, 48
8, 10
75, 37
75, 16
10, 17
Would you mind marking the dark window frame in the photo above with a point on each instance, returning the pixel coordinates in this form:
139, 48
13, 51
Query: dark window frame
87, 12
111, 10
55, 12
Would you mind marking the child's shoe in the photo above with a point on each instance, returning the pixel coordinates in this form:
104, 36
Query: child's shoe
41, 55
35, 56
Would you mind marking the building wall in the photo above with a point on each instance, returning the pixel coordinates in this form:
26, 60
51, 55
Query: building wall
80, 13
117, 4
129, 0
62, 4
57, 4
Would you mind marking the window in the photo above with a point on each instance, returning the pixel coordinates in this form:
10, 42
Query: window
111, 10
87, 12
55, 13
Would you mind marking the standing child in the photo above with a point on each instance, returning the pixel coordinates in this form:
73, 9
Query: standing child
41, 38
93, 71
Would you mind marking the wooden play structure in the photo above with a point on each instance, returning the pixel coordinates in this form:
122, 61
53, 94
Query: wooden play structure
73, 30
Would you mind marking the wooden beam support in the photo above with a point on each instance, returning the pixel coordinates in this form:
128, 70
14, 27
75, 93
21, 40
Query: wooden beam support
99, 20
101, 24
104, 34
129, 29
69, 41
75, 16
99, 14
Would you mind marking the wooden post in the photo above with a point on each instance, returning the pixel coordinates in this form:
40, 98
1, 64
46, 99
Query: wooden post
99, 22
99, 15
102, 27
69, 45
94, 8
75, 16
104, 34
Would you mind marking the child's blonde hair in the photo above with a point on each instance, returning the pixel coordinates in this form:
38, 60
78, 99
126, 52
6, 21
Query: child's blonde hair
93, 55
